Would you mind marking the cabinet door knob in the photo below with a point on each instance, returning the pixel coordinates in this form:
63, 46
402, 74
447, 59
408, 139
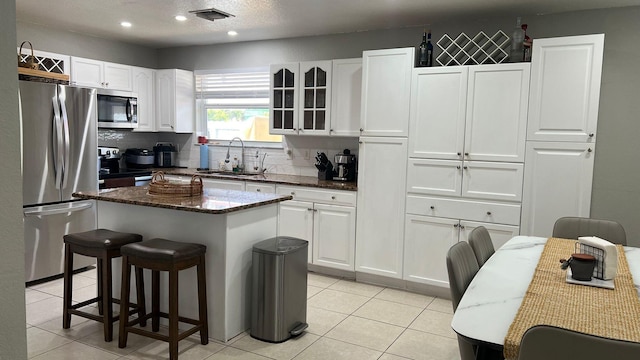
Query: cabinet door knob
466, 154
458, 167
465, 167
591, 135
258, 190
107, 84
330, 130
333, 197
461, 226
309, 209
455, 225
589, 150
315, 210
361, 129
459, 153
359, 142
293, 193
432, 207
489, 213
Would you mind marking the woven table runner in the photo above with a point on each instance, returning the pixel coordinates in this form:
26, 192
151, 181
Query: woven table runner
550, 300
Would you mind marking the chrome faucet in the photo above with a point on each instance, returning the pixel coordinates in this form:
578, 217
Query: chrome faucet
241, 161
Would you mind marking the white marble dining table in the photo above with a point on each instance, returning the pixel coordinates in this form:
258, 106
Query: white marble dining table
493, 298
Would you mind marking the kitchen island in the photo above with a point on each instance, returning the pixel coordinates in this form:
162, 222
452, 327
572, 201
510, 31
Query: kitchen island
228, 222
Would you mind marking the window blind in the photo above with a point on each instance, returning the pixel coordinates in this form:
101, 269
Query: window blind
238, 89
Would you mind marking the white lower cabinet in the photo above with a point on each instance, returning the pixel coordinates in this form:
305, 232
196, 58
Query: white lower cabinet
334, 232
325, 218
381, 205
261, 188
295, 219
428, 239
558, 182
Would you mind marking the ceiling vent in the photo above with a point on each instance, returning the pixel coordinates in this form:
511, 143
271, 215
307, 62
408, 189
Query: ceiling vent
211, 14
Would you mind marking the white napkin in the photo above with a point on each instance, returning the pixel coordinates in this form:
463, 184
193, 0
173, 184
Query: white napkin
610, 254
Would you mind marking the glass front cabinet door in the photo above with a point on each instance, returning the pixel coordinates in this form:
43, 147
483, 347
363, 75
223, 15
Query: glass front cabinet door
283, 101
315, 98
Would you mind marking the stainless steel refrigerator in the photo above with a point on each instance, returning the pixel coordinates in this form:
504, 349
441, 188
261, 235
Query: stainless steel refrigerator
59, 157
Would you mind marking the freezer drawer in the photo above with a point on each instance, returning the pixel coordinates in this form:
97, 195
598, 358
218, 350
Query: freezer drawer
44, 228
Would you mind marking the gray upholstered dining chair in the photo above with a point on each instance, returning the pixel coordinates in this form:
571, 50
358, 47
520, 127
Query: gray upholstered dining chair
574, 227
462, 266
480, 242
554, 343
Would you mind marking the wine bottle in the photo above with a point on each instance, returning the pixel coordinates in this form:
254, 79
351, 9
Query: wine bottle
422, 51
429, 50
517, 43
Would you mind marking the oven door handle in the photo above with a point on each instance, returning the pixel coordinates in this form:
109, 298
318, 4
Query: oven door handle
143, 178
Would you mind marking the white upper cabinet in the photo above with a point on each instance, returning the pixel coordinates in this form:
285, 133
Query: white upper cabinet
144, 88
315, 98
438, 107
175, 104
100, 74
283, 99
470, 112
565, 88
346, 97
496, 121
386, 89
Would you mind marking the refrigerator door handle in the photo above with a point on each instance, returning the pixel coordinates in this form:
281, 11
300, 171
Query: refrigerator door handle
60, 210
57, 143
67, 150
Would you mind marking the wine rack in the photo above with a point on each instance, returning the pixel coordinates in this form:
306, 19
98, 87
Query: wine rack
481, 49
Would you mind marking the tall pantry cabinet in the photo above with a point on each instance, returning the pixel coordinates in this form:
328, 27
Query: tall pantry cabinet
561, 136
465, 167
386, 86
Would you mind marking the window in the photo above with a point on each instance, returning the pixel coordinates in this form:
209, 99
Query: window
234, 104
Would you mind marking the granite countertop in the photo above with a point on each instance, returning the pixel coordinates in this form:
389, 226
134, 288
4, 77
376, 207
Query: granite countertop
212, 201
309, 181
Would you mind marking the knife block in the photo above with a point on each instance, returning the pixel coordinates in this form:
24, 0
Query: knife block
326, 174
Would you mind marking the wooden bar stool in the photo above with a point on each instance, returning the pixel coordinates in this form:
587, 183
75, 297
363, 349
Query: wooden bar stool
171, 256
104, 245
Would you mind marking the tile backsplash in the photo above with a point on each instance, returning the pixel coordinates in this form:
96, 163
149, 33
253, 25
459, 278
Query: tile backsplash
296, 157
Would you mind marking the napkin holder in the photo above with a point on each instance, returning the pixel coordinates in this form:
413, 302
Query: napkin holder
606, 254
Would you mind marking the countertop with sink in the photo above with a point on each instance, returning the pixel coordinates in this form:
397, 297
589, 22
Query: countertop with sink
309, 181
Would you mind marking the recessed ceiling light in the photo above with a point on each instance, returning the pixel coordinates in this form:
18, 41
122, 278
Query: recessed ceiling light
125, 24
232, 33
181, 18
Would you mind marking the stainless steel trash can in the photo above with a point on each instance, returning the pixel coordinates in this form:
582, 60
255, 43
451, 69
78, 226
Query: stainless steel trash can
279, 288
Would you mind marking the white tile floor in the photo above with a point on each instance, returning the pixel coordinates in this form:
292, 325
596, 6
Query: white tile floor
347, 320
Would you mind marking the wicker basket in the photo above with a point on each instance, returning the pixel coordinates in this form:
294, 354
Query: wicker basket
160, 186
30, 61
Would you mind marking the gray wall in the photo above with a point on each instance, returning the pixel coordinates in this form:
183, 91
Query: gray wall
75, 44
616, 194
13, 343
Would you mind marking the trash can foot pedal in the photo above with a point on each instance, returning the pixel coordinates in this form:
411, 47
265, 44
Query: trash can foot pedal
298, 329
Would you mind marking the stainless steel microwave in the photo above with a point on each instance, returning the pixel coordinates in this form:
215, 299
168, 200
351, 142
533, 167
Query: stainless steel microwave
117, 109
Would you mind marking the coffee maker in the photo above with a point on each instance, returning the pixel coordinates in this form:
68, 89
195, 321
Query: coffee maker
345, 164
